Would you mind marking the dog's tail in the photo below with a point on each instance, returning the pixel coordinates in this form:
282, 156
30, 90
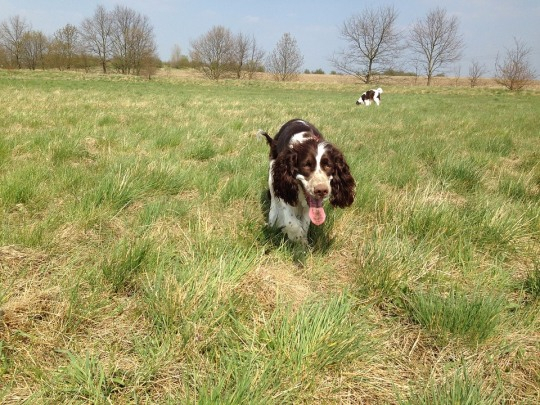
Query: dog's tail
264, 135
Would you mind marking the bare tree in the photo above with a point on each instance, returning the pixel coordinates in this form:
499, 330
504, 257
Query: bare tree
66, 46
143, 47
254, 60
240, 52
178, 60
476, 70
514, 71
35, 45
436, 41
247, 56
176, 56
285, 60
122, 23
12, 32
457, 74
373, 43
213, 52
3, 57
132, 40
96, 35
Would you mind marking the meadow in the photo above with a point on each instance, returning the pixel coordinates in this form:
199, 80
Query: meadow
136, 265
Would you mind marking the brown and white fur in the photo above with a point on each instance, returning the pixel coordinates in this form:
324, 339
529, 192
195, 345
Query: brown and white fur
369, 96
305, 171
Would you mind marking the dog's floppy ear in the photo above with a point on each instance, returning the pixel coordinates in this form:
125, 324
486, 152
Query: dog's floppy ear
343, 185
284, 176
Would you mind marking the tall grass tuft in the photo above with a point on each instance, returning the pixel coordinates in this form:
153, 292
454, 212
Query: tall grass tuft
161, 208
498, 145
515, 188
5, 151
125, 261
460, 388
20, 186
204, 150
183, 292
319, 335
66, 150
282, 361
84, 379
384, 268
116, 188
463, 174
4, 360
532, 282
456, 315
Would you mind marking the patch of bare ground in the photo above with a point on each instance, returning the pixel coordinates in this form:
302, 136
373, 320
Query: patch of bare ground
271, 283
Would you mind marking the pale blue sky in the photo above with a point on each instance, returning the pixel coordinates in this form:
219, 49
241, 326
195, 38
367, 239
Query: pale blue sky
487, 26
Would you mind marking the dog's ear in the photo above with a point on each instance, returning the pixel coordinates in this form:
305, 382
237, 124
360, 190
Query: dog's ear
284, 176
343, 185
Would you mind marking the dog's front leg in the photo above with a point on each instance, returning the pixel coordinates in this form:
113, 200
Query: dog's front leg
296, 225
296, 233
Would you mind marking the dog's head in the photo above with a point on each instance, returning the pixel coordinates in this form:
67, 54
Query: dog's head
320, 170
362, 99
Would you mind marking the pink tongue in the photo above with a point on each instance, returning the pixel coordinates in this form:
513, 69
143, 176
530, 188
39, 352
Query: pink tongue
316, 212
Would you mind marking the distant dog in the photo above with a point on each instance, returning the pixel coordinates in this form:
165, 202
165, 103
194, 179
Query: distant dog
369, 96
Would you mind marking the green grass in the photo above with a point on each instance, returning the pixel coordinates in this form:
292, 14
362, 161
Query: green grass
455, 316
136, 265
458, 388
532, 282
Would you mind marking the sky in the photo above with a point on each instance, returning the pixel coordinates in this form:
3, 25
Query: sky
488, 27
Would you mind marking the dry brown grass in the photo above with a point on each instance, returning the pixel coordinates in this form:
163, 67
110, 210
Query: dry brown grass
339, 79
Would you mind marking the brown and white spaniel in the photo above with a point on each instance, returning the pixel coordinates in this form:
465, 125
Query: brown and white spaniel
371, 95
305, 170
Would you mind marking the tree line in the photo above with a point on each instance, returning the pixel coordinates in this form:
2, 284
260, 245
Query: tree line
123, 40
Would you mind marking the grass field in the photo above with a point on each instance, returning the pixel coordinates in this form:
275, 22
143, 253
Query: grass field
136, 267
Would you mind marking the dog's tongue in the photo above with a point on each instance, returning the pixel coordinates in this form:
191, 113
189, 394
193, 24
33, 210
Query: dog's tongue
316, 211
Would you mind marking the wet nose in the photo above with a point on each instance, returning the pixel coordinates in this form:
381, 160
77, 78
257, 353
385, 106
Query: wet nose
321, 191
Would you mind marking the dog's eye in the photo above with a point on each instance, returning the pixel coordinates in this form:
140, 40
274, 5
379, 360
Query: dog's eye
326, 165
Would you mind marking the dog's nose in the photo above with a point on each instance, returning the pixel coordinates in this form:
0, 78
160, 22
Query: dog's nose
321, 191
